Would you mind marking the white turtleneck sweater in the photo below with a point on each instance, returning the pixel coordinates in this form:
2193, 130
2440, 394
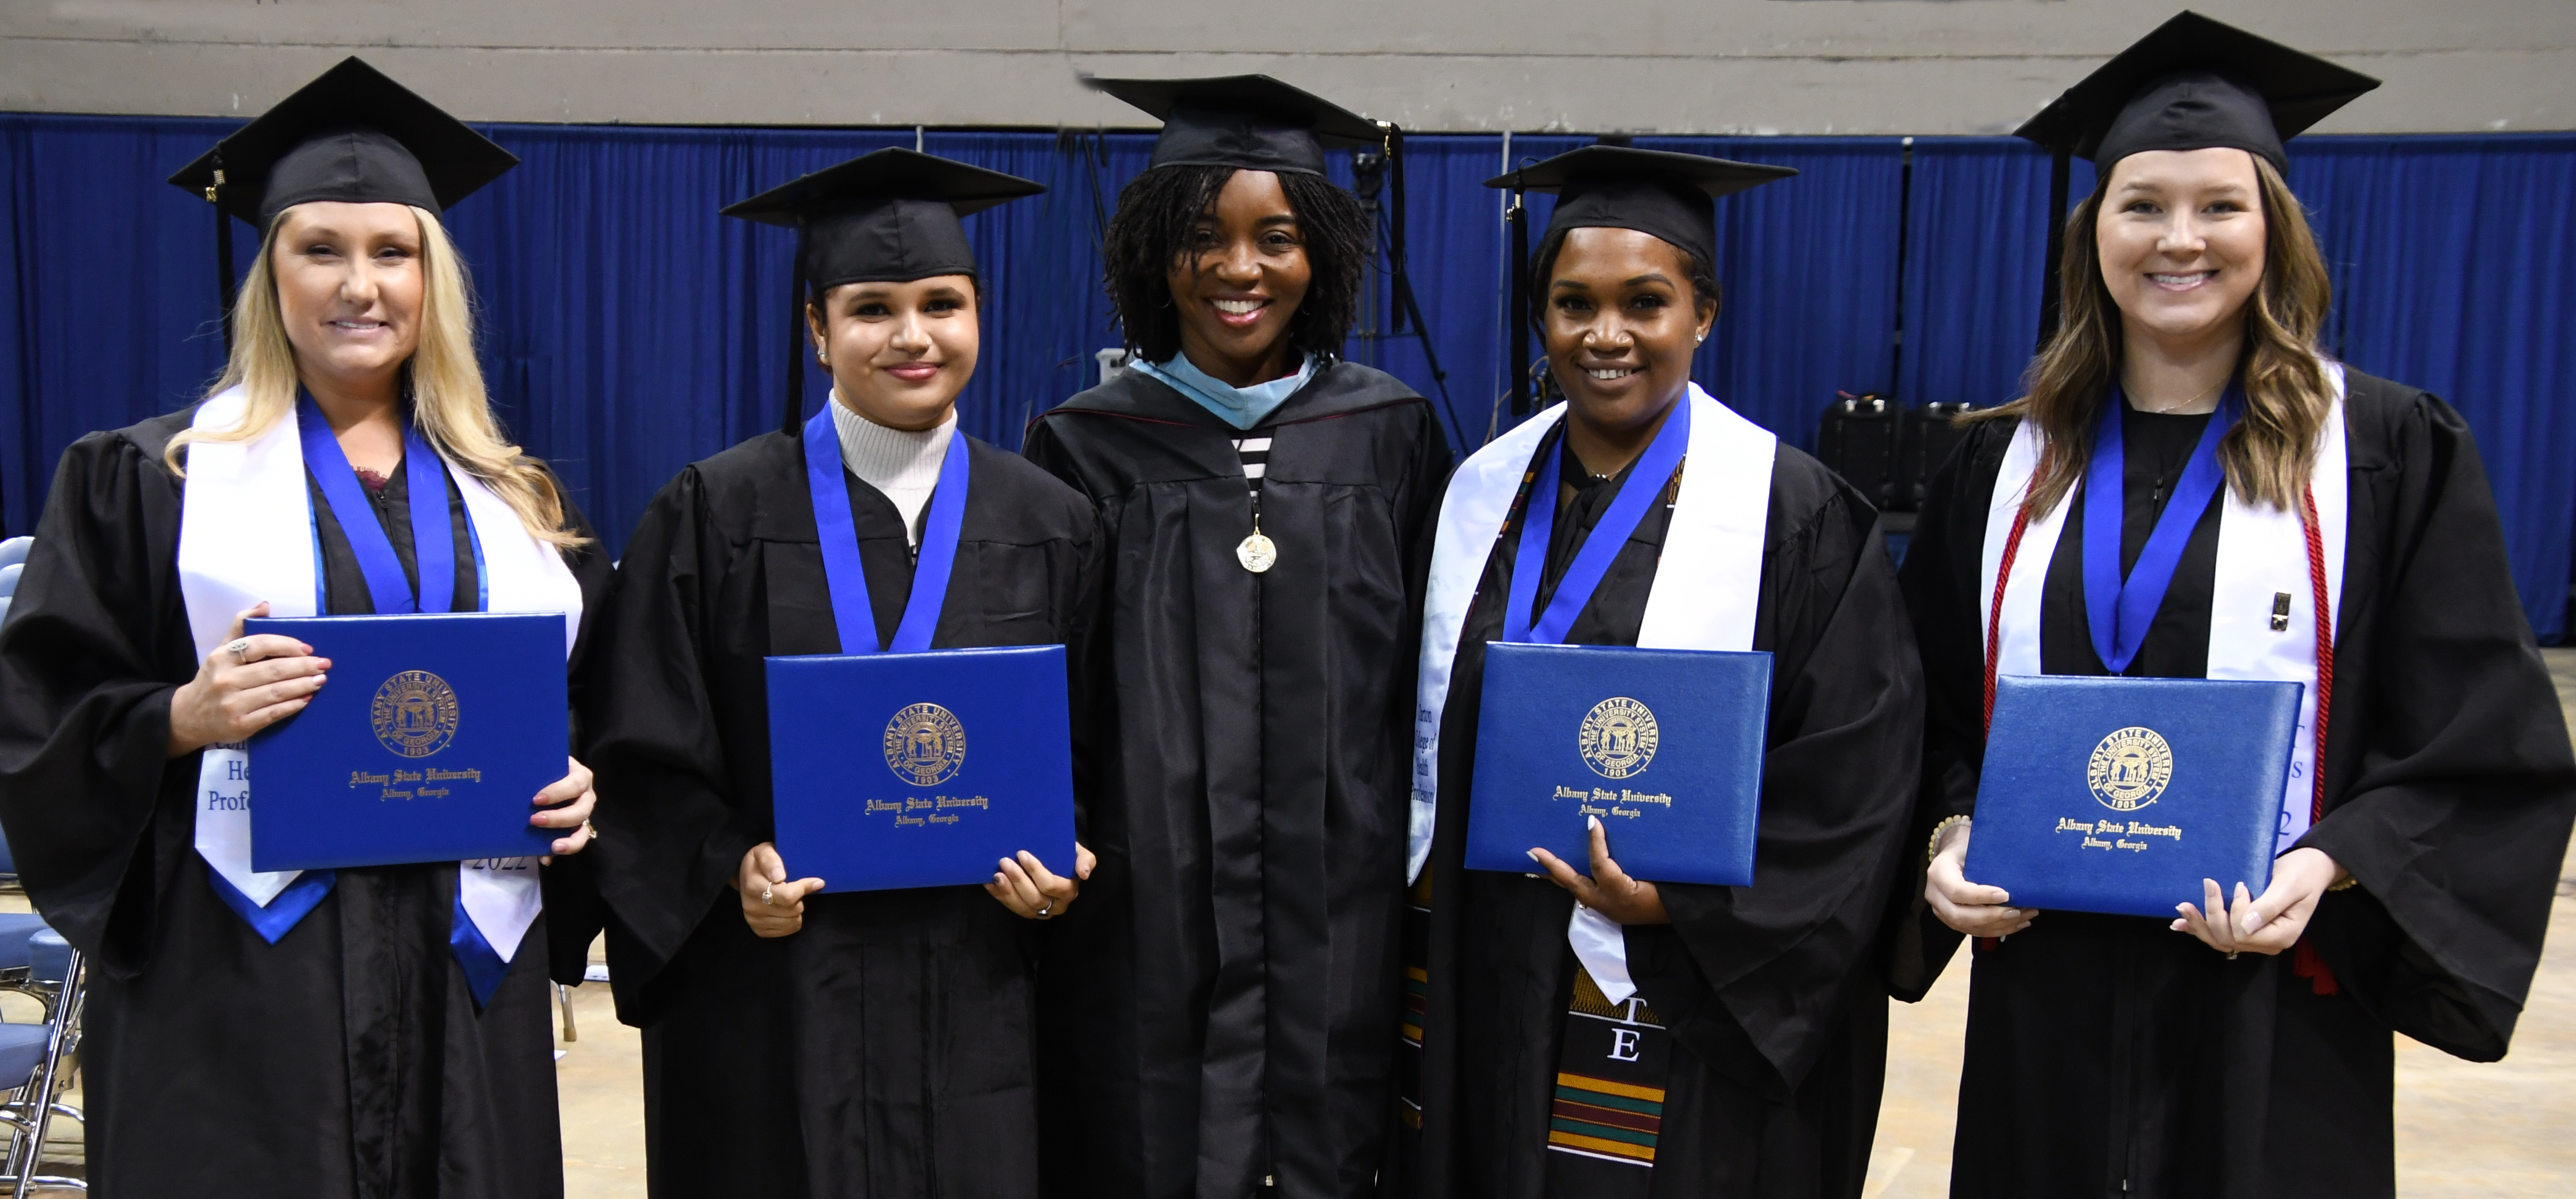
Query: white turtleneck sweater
901, 463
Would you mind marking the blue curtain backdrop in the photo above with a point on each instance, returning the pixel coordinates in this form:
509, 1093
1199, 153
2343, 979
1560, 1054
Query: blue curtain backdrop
628, 330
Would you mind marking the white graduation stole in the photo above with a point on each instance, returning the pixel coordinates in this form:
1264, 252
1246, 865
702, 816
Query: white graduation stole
1707, 587
246, 535
2262, 555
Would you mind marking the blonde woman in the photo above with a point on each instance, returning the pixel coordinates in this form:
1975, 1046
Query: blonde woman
2185, 452
327, 1033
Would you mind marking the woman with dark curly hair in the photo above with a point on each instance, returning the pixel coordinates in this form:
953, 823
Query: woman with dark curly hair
1251, 813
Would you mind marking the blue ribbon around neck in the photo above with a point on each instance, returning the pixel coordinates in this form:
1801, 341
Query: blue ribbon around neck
839, 533
1600, 546
433, 550
434, 558
2117, 612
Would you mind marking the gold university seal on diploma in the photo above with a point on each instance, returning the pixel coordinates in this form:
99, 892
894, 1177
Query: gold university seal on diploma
1618, 737
415, 714
2130, 769
925, 744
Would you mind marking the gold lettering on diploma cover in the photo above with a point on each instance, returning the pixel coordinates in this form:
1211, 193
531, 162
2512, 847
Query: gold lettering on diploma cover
925, 745
2130, 769
1618, 738
415, 714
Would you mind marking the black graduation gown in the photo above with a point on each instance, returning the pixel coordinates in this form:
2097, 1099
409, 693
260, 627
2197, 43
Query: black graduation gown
885, 1048
1251, 825
346, 1060
2112, 1056
1773, 992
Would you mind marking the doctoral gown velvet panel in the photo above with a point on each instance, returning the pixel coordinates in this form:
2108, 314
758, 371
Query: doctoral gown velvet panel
2449, 792
1223, 1005
884, 1049
346, 1060
1772, 991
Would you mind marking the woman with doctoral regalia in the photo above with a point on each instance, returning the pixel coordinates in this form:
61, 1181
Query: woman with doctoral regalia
370, 1032
2186, 452
1591, 1034
860, 1043
1222, 1009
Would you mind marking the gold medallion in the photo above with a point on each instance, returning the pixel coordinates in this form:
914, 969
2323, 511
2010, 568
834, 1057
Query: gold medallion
1256, 553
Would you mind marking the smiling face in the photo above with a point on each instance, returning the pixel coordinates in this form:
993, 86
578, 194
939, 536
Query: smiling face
1622, 323
900, 352
349, 287
2181, 235
1240, 279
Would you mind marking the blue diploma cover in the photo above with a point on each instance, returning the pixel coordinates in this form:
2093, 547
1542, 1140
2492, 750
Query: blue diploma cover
920, 769
1663, 745
428, 744
2120, 795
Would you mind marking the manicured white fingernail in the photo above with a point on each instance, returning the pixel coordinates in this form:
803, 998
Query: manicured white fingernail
1591, 822
1533, 855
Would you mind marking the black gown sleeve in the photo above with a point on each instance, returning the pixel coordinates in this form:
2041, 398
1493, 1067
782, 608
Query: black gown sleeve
1837, 782
575, 912
94, 646
1941, 581
2446, 746
670, 840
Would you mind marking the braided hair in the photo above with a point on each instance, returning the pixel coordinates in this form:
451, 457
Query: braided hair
1158, 212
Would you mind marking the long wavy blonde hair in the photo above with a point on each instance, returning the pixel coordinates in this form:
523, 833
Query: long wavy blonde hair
2272, 450
446, 384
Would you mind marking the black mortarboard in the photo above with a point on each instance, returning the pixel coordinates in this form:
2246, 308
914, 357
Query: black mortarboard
2193, 84
890, 216
1653, 191
886, 217
352, 135
1250, 122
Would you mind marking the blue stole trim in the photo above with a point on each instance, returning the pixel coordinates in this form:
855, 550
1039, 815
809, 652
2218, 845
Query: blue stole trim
2118, 612
484, 965
838, 532
1600, 546
282, 913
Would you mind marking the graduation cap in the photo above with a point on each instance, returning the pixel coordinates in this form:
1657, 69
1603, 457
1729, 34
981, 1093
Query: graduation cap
2191, 84
891, 216
1612, 185
1250, 122
351, 135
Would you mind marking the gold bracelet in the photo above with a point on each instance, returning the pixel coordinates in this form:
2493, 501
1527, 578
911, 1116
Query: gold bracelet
1933, 849
2349, 882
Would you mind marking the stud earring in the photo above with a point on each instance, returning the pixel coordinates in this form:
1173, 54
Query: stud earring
825, 359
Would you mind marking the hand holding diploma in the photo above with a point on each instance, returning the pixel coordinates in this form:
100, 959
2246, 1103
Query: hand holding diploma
1978, 911
1032, 892
2268, 923
773, 906
566, 803
1609, 890
245, 685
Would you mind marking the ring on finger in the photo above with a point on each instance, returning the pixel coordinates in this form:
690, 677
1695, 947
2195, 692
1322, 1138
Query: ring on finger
1047, 912
764, 895
240, 650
